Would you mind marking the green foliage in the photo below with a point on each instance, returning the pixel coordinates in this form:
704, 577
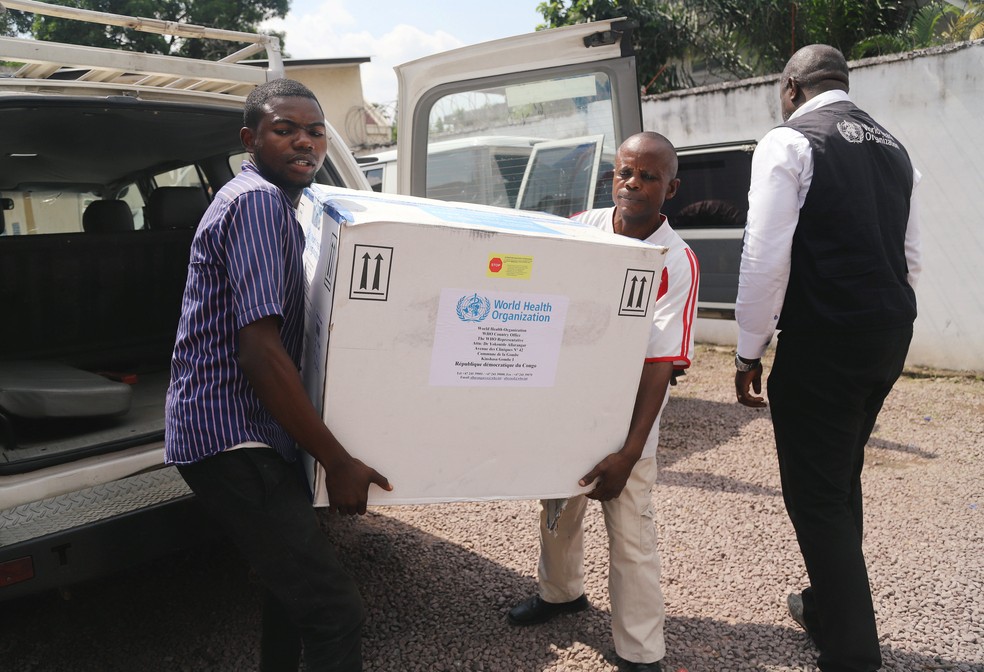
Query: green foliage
659, 44
877, 45
241, 15
768, 32
967, 25
929, 21
727, 39
935, 23
12, 23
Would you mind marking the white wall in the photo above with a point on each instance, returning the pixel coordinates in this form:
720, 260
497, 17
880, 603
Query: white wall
932, 101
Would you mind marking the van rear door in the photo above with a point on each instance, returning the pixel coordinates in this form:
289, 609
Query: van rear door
552, 85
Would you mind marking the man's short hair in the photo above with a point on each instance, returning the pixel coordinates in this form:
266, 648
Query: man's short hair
817, 68
277, 88
658, 138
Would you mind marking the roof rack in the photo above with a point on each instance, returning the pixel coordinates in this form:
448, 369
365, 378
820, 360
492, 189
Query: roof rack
42, 59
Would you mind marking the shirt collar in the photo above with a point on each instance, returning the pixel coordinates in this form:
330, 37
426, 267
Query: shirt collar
820, 100
664, 223
658, 236
250, 167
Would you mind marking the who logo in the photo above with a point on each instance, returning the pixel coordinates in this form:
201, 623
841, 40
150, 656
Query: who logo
473, 308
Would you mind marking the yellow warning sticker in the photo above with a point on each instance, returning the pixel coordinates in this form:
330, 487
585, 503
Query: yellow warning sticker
515, 266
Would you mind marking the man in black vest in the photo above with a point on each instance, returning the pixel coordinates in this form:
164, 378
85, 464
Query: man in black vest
830, 259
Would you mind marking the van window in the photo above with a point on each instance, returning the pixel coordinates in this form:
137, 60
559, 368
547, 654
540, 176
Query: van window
135, 200
57, 211
713, 191
562, 176
510, 120
185, 176
45, 211
375, 177
490, 175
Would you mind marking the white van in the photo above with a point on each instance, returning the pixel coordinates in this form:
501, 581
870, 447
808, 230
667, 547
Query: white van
561, 177
95, 236
484, 169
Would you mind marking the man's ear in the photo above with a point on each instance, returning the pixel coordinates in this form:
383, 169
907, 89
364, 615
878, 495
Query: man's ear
672, 189
247, 137
795, 91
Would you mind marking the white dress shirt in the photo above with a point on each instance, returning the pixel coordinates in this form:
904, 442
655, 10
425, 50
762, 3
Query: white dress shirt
782, 170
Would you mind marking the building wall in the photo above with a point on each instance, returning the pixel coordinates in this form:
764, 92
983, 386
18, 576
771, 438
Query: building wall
931, 101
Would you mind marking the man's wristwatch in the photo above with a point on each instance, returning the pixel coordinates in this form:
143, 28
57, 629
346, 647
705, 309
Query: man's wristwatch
745, 365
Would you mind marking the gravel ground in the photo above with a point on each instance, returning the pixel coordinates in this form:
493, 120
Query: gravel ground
438, 579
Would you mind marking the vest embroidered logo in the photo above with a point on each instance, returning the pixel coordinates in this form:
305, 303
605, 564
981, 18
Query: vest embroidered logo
473, 308
851, 131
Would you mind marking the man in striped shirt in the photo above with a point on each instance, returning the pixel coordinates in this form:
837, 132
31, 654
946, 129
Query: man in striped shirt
236, 409
645, 176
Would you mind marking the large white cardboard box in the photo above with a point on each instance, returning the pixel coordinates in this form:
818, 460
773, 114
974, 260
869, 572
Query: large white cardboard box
470, 352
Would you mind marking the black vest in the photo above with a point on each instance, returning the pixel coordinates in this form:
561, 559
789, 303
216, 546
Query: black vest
848, 268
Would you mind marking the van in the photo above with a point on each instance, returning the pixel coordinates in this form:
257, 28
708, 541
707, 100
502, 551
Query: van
115, 158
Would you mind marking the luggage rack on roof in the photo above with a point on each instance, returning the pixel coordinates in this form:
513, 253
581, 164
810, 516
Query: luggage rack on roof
136, 69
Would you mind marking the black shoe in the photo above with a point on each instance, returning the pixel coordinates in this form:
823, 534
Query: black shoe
629, 666
794, 601
535, 610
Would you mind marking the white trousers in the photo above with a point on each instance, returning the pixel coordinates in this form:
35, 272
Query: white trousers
638, 610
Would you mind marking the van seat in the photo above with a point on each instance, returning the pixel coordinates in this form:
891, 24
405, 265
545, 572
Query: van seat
175, 207
110, 216
53, 390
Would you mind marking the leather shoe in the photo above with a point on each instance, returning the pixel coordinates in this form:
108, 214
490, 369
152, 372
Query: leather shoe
629, 666
797, 611
534, 610
794, 602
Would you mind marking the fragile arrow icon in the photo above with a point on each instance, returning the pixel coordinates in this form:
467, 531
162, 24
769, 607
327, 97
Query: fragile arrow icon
365, 270
375, 277
632, 292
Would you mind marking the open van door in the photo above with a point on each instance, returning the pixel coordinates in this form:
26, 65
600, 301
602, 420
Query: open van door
572, 165
545, 87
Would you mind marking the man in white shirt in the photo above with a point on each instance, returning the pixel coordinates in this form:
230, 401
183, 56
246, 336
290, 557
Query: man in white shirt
830, 259
645, 176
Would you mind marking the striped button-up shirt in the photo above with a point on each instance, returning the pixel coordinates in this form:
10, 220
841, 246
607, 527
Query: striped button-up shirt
245, 265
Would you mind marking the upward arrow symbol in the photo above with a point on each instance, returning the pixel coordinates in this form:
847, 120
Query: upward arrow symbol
642, 290
365, 271
375, 277
628, 304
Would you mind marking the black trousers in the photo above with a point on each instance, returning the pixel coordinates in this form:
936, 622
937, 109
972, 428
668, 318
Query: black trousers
261, 502
825, 392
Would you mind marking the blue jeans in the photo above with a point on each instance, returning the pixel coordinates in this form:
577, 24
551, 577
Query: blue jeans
261, 502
